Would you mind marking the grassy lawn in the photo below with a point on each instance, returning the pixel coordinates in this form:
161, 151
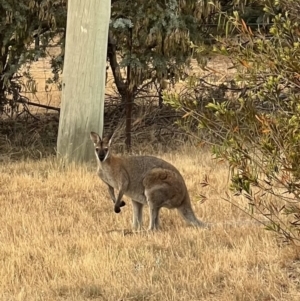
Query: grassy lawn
61, 240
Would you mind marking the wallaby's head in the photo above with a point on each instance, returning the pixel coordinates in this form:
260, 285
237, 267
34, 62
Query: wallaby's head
102, 146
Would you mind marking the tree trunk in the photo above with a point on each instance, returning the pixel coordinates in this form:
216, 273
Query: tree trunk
84, 73
129, 98
129, 104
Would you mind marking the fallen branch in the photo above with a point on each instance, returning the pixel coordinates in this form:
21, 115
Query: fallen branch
23, 100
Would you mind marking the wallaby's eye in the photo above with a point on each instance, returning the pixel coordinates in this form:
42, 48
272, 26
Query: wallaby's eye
106, 149
97, 149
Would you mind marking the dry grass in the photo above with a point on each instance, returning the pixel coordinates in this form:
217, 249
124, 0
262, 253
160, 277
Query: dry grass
61, 240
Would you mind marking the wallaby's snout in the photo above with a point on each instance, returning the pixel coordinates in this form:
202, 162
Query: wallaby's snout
101, 153
101, 146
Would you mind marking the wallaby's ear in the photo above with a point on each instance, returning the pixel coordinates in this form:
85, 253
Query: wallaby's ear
95, 137
110, 138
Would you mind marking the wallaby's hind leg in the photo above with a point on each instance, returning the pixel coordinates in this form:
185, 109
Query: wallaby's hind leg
154, 216
137, 215
164, 188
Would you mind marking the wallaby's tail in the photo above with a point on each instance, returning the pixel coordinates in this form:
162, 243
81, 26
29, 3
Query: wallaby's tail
188, 214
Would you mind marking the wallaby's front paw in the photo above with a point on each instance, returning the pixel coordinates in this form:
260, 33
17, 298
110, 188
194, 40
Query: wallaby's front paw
117, 210
122, 203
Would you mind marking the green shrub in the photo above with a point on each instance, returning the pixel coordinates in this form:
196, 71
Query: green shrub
256, 128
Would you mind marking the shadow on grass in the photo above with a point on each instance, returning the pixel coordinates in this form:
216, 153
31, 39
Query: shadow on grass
28, 137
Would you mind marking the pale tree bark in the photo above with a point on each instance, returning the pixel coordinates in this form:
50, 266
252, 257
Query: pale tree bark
84, 73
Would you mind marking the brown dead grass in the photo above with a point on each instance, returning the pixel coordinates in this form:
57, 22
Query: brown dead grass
61, 240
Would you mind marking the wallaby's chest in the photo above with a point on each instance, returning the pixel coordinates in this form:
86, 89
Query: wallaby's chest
109, 176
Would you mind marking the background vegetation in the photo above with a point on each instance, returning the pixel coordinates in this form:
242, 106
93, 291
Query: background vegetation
249, 119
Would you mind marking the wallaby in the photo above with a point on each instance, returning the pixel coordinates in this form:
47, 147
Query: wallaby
144, 179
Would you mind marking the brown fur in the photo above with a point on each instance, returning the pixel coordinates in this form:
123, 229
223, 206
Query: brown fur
146, 180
